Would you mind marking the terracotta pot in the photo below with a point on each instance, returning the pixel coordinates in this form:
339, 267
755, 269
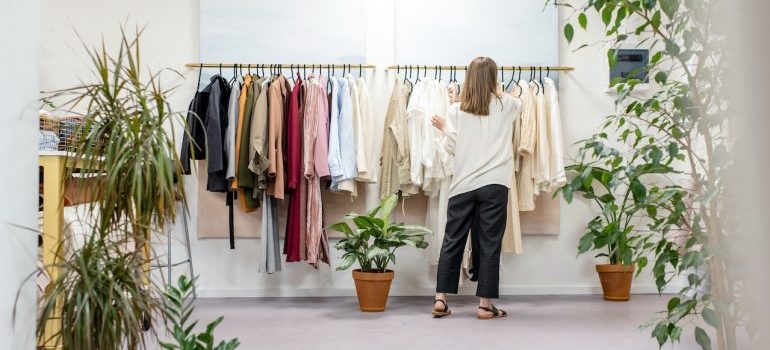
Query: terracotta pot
372, 289
616, 281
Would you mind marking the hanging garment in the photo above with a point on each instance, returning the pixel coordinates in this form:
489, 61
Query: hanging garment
216, 128
342, 156
207, 124
291, 245
244, 178
557, 175
526, 133
416, 124
270, 260
276, 102
454, 92
395, 161
194, 139
315, 160
366, 162
542, 171
512, 242
258, 160
232, 125
303, 182
437, 163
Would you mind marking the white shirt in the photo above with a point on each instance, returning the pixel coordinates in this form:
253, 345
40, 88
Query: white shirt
557, 175
481, 145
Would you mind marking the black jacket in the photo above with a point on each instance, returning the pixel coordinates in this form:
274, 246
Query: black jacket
206, 125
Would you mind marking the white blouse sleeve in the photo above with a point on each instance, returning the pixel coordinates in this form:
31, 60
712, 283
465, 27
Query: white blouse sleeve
449, 139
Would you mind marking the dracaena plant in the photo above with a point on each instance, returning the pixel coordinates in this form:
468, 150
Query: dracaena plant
102, 297
687, 110
373, 240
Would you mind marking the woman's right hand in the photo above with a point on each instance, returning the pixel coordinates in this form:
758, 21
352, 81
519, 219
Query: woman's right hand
438, 122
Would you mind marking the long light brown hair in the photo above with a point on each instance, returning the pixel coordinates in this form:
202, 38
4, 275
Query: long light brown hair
479, 87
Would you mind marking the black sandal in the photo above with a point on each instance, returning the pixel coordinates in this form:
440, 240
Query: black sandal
441, 313
496, 313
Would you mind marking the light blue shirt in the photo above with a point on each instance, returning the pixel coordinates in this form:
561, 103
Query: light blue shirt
342, 144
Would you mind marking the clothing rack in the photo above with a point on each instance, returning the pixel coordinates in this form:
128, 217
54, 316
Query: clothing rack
280, 65
504, 68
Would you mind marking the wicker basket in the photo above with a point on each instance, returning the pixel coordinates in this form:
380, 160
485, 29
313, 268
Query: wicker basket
59, 133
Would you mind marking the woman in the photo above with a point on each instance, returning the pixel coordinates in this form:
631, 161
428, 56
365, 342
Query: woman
479, 132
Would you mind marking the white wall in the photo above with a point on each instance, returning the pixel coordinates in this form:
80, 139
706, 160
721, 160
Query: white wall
548, 266
18, 149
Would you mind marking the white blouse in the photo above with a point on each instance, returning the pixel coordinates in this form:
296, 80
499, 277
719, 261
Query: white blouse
481, 145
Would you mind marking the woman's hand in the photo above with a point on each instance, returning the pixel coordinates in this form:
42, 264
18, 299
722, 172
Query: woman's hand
438, 122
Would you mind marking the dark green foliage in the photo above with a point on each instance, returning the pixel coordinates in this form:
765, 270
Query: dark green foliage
374, 240
659, 162
178, 308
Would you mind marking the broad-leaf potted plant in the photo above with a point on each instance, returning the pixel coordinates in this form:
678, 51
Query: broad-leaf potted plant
619, 183
372, 242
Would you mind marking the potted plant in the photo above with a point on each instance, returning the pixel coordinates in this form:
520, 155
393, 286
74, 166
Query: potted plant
613, 181
102, 297
372, 243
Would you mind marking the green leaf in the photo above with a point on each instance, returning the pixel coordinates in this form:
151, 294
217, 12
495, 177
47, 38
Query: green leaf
641, 264
656, 57
607, 15
639, 191
387, 205
586, 242
583, 20
673, 303
673, 149
710, 316
566, 192
569, 32
702, 338
661, 332
612, 58
652, 211
669, 7
655, 20
661, 78
347, 261
342, 227
375, 251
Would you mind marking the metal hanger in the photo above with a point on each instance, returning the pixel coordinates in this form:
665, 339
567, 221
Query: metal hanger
418, 75
541, 77
513, 74
360, 70
200, 73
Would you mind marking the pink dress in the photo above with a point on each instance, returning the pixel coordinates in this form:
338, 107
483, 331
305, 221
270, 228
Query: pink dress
315, 149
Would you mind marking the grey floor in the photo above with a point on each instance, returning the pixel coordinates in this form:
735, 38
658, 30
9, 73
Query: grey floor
535, 322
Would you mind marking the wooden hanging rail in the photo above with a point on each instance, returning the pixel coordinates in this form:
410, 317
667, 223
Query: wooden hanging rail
279, 65
505, 68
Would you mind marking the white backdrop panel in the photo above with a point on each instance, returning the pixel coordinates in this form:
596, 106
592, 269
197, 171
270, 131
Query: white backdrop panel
453, 32
289, 31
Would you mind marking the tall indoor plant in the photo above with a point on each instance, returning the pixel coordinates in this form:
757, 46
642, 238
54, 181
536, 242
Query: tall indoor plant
373, 243
686, 112
623, 188
102, 297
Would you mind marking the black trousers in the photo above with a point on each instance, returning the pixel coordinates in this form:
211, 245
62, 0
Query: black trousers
483, 211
